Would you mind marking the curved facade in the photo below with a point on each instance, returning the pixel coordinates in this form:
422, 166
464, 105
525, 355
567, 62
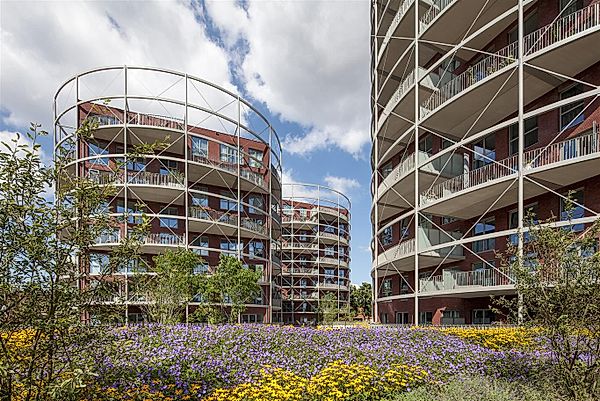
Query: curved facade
316, 251
482, 113
215, 187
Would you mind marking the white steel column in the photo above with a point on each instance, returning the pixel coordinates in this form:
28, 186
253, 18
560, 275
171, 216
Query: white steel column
521, 126
416, 167
125, 184
375, 163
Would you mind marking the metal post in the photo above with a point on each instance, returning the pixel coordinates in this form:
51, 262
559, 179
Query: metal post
521, 149
416, 198
374, 52
125, 182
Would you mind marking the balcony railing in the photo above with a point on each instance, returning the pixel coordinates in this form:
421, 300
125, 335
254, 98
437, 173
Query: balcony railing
327, 210
402, 89
402, 249
218, 216
476, 73
400, 171
475, 177
301, 270
164, 239
397, 18
149, 178
580, 146
296, 217
449, 281
245, 171
569, 149
301, 245
436, 9
563, 28
109, 238
155, 121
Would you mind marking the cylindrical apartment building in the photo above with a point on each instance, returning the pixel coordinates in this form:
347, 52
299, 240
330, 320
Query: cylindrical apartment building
214, 188
316, 252
483, 112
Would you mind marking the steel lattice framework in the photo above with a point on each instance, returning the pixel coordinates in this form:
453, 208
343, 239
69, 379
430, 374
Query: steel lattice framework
316, 249
215, 188
482, 111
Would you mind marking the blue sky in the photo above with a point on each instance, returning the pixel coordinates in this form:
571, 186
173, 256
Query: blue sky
304, 64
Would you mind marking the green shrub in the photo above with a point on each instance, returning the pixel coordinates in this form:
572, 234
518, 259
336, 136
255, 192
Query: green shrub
477, 389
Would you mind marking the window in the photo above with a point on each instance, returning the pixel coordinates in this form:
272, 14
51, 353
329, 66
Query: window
404, 231
203, 243
484, 152
256, 249
404, 287
200, 199
481, 265
426, 144
255, 159
569, 6
168, 222
329, 251
135, 209
199, 147
228, 154
386, 236
571, 114
136, 164
168, 167
95, 149
99, 263
513, 221
105, 120
530, 25
484, 227
227, 245
446, 143
251, 318
201, 268
227, 203
482, 316
452, 317
386, 169
402, 318
530, 131
448, 220
383, 318
256, 204
386, 287
570, 211
425, 317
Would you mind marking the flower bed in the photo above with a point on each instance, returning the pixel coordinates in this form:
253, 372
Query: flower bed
253, 362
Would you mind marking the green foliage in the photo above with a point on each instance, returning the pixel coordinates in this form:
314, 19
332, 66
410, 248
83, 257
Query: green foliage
361, 299
329, 310
224, 292
477, 389
558, 279
173, 285
45, 288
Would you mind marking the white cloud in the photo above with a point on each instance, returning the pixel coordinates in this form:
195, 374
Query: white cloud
14, 140
309, 63
44, 43
343, 184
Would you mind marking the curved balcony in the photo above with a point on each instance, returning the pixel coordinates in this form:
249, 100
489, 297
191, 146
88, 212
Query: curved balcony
252, 180
396, 191
400, 257
468, 283
300, 247
304, 271
561, 163
449, 21
224, 223
401, 26
491, 81
328, 261
324, 211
